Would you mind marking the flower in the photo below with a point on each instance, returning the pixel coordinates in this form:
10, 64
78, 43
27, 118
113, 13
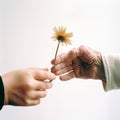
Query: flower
61, 35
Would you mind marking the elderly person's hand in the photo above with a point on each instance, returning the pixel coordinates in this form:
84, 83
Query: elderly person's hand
81, 62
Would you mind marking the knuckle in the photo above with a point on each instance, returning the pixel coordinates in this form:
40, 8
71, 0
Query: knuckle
43, 86
28, 85
29, 102
43, 94
82, 46
37, 102
73, 53
26, 102
26, 72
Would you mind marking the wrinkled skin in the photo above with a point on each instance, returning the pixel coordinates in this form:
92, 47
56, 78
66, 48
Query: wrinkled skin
81, 62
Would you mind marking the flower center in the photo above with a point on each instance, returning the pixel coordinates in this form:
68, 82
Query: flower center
60, 38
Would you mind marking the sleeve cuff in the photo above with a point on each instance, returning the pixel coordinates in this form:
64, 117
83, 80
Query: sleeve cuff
1, 93
112, 72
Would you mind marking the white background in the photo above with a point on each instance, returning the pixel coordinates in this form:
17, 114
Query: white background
26, 27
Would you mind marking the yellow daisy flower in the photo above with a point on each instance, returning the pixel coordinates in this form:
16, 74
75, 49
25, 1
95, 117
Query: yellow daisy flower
61, 35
